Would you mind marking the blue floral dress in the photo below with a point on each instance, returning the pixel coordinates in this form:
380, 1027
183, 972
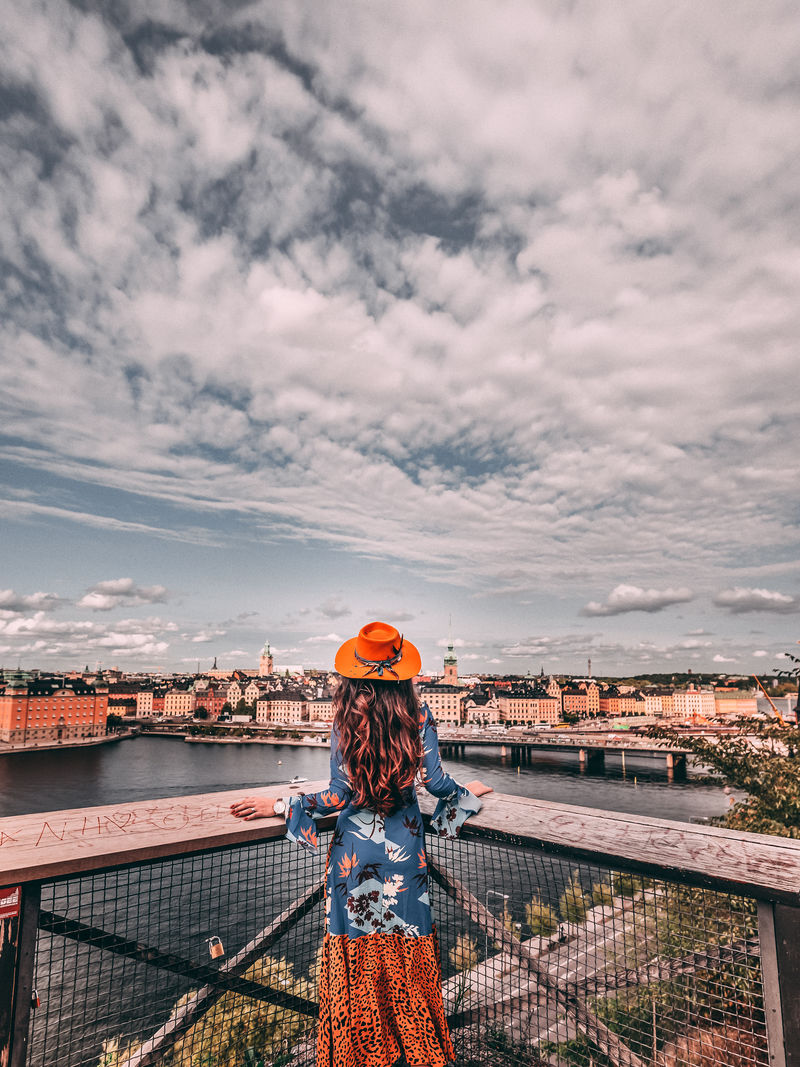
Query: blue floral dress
380, 981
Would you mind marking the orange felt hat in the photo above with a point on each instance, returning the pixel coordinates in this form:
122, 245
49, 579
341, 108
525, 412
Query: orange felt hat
379, 652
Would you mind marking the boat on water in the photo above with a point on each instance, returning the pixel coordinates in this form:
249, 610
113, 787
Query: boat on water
298, 778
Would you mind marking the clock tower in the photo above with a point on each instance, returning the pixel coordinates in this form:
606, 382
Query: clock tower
265, 665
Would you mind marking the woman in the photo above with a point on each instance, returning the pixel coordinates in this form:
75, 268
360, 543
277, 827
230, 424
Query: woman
380, 983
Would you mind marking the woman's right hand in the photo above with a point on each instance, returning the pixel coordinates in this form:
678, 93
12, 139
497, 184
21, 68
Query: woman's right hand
478, 789
253, 808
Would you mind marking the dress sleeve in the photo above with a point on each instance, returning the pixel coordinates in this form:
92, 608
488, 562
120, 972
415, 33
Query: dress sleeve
456, 802
300, 810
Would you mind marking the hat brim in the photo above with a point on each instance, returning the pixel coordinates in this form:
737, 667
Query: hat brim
408, 666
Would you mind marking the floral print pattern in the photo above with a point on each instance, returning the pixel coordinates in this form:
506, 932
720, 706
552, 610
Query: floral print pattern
377, 874
376, 892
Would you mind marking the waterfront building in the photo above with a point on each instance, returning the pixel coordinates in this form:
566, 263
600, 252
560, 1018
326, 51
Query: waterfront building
653, 703
575, 702
289, 706
254, 691
212, 699
481, 708
144, 703
614, 704
735, 702
529, 706
592, 698
689, 703
320, 709
553, 689
51, 708
444, 700
179, 702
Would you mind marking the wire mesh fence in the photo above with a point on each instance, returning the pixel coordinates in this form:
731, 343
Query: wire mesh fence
210, 960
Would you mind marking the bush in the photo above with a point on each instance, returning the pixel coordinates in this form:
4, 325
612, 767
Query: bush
573, 902
541, 919
602, 893
464, 953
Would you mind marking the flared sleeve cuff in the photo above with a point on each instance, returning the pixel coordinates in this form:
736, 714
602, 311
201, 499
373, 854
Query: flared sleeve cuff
300, 826
453, 811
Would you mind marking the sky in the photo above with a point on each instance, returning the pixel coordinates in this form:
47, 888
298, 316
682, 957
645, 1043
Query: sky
314, 314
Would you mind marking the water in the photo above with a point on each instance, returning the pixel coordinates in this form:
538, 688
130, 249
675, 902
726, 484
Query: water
151, 767
176, 906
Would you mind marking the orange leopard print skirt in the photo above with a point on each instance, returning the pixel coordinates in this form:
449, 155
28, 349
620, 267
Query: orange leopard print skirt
380, 998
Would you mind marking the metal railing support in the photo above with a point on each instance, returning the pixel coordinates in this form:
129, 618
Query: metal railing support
779, 936
18, 950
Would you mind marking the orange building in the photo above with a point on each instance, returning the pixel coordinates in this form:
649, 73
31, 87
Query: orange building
51, 709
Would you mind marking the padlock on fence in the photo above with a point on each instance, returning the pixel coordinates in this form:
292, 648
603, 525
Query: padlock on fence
215, 947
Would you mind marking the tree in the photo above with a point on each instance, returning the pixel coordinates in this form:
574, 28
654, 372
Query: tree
200, 713
762, 760
540, 917
792, 675
113, 722
574, 902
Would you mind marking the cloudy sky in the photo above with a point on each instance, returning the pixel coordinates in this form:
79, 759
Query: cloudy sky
314, 313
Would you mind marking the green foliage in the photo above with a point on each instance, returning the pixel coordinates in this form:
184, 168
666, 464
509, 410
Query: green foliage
496, 1047
463, 955
574, 902
602, 893
627, 884
238, 1031
540, 918
762, 760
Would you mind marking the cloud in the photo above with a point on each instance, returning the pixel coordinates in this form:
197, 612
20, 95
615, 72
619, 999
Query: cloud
760, 653
724, 659
626, 598
334, 608
104, 596
393, 617
738, 601
12, 603
323, 640
504, 262
204, 636
443, 642
75, 640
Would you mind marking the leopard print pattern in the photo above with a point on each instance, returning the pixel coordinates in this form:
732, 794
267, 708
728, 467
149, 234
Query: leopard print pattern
380, 998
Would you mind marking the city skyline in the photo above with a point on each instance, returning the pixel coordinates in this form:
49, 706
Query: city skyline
412, 314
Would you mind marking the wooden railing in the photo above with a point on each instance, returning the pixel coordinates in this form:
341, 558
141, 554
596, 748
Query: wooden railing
569, 936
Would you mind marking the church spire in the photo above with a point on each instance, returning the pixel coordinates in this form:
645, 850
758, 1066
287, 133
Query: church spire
266, 665
450, 661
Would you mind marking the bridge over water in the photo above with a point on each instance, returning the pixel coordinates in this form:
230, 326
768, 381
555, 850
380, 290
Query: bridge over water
590, 750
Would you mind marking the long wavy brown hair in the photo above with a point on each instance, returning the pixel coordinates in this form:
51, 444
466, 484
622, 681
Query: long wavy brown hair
377, 724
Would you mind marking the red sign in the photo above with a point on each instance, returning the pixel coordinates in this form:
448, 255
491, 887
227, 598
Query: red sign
10, 902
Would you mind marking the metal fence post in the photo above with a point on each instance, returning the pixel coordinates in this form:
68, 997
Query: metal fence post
20, 948
779, 937
787, 943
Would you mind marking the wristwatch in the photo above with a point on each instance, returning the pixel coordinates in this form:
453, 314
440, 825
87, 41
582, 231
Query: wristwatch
279, 807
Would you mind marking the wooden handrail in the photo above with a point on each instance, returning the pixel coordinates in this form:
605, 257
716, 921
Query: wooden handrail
51, 845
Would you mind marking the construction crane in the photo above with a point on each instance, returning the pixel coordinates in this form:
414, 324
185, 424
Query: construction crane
778, 715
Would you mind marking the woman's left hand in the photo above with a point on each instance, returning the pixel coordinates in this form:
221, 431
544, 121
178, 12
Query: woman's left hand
253, 808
